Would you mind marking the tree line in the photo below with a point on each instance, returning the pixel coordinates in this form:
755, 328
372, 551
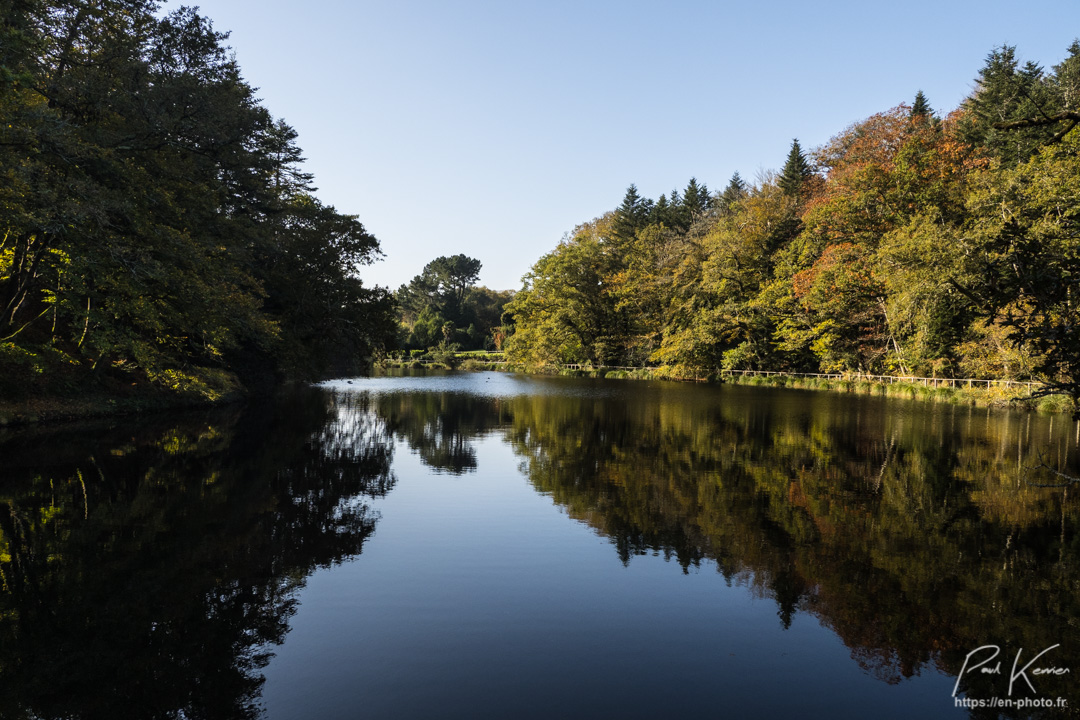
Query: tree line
913, 243
443, 308
156, 226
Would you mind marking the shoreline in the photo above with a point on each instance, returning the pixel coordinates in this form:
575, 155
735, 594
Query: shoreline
995, 396
42, 410
47, 410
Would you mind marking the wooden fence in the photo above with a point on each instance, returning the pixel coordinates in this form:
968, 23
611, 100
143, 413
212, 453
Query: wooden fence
889, 379
928, 382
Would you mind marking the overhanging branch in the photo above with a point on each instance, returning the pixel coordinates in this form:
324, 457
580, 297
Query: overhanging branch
1071, 117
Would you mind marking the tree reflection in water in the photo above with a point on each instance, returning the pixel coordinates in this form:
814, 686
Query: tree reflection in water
148, 571
916, 533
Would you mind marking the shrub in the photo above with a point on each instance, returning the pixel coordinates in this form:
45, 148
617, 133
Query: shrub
1055, 404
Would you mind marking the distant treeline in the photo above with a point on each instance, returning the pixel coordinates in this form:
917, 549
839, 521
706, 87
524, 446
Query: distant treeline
913, 242
443, 309
155, 225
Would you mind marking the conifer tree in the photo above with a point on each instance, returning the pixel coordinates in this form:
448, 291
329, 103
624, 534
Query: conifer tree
1013, 110
661, 212
695, 199
1067, 78
631, 215
733, 193
285, 158
921, 108
796, 170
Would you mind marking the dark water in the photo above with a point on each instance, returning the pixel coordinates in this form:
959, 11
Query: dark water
485, 545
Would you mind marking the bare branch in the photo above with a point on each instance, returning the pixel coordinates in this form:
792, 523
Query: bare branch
1069, 479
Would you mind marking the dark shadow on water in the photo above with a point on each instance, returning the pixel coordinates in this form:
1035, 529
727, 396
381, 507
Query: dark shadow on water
148, 569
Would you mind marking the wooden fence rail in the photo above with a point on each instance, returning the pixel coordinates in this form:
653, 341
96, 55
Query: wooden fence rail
928, 382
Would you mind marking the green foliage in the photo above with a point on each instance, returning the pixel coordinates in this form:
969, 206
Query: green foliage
154, 222
796, 172
564, 313
633, 214
921, 106
1017, 108
446, 293
734, 192
925, 246
1020, 260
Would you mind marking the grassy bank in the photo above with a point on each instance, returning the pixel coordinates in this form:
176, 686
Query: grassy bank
45, 384
447, 360
981, 396
53, 408
992, 396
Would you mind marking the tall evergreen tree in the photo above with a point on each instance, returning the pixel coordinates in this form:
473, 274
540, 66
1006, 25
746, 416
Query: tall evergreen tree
1067, 80
796, 170
631, 215
695, 199
661, 212
285, 157
733, 193
1014, 109
921, 108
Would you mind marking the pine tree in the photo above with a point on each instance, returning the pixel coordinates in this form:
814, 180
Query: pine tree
661, 212
631, 215
1013, 110
733, 193
285, 157
796, 170
921, 108
695, 199
1067, 78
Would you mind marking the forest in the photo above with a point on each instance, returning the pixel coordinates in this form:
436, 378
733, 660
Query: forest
914, 242
443, 309
158, 233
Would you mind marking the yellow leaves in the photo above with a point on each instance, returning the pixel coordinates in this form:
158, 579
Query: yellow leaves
202, 383
48, 514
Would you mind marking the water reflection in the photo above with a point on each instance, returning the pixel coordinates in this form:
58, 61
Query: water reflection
917, 533
439, 426
148, 571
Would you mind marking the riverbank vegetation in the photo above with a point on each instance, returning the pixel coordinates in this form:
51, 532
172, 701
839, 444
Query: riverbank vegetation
157, 233
442, 309
912, 243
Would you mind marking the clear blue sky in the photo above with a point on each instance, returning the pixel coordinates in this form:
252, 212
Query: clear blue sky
492, 128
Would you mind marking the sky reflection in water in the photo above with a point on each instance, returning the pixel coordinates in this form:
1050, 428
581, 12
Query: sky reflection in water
484, 544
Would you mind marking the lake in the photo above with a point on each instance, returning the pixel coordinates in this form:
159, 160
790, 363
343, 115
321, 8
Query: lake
464, 545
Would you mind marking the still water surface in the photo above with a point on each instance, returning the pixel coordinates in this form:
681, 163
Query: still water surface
490, 545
